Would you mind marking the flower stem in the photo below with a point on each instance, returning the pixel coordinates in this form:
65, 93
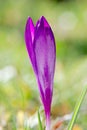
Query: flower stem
48, 121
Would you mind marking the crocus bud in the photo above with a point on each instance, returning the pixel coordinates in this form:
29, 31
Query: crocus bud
41, 49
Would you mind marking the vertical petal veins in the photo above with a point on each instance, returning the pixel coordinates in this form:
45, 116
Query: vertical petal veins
44, 46
45, 54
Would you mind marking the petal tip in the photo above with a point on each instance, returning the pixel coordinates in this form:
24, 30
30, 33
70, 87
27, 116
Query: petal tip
29, 28
44, 21
29, 20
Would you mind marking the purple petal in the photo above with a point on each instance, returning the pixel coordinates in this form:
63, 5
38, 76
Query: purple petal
29, 38
41, 48
44, 46
45, 54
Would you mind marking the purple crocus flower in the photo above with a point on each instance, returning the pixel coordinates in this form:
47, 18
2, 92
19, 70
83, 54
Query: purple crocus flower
41, 48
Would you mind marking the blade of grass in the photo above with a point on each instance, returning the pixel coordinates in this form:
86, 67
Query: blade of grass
77, 107
39, 121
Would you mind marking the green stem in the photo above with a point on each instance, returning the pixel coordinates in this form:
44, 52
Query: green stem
77, 107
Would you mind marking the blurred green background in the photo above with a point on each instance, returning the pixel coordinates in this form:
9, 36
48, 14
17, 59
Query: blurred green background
19, 98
